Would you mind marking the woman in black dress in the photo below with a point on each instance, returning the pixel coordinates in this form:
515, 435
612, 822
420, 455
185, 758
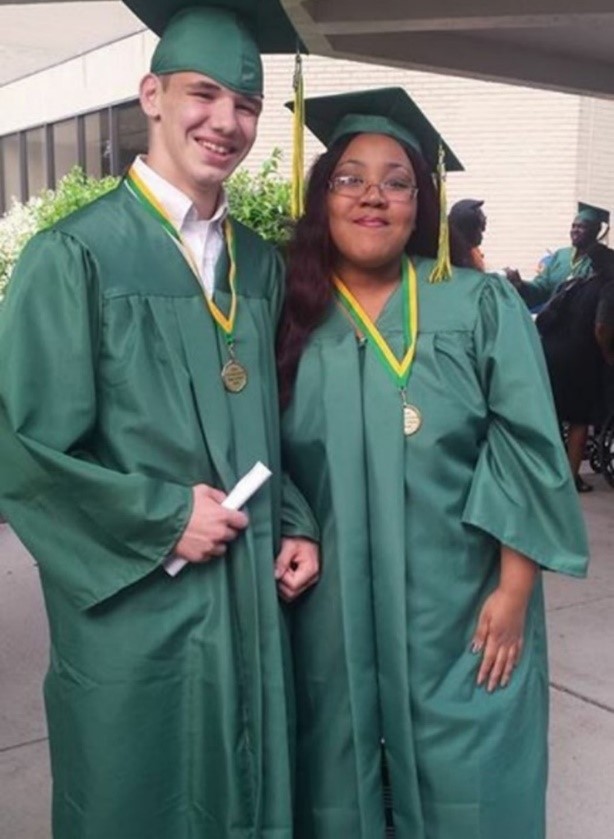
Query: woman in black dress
574, 356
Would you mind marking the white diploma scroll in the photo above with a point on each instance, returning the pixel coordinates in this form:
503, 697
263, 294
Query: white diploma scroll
238, 496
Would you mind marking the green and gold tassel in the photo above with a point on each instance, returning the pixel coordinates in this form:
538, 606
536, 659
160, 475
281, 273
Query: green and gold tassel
442, 270
298, 140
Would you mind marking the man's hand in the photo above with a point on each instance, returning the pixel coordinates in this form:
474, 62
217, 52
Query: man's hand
297, 567
210, 527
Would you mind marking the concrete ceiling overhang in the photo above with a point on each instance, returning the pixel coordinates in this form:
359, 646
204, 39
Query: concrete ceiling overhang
555, 44
36, 35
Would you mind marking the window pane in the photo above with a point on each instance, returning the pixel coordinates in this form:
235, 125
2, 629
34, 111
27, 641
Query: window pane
97, 144
37, 160
11, 166
132, 133
65, 147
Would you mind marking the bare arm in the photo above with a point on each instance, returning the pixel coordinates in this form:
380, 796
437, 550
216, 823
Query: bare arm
499, 635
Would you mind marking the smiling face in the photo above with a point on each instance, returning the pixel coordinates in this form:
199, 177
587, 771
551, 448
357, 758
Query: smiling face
200, 131
370, 231
583, 233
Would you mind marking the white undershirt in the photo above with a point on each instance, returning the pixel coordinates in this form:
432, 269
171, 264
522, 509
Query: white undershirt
204, 237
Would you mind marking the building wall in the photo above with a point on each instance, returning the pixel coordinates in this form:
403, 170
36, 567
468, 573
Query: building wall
529, 154
595, 180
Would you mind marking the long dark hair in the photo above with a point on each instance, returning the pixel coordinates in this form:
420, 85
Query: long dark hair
311, 255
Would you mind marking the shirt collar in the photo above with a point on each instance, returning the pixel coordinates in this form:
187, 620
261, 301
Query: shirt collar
177, 204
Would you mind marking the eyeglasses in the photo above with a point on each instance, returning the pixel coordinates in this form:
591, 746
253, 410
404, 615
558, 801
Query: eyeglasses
393, 189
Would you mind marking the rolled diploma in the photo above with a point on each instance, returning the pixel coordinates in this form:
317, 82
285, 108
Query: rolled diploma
239, 495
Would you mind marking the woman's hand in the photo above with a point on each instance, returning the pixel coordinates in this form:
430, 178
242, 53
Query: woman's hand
297, 567
499, 635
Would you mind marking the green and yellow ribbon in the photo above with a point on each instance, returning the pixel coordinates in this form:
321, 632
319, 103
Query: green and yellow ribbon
139, 189
399, 370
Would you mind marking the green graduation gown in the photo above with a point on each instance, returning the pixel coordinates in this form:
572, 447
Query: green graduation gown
411, 531
166, 701
560, 267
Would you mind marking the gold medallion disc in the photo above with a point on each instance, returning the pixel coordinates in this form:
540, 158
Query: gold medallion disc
234, 376
412, 420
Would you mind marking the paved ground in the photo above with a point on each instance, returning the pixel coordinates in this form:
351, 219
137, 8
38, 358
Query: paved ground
581, 622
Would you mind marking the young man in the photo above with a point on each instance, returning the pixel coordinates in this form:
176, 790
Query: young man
137, 385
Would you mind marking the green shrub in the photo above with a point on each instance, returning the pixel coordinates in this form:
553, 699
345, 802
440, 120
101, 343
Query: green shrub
75, 190
22, 221
261, 201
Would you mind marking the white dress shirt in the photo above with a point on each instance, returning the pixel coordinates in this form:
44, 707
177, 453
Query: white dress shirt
204, 237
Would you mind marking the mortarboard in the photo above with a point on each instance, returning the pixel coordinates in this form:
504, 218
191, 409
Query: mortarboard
222, 39
386, 110
590, 213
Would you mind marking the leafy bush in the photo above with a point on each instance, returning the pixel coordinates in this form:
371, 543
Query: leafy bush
16, 227
75, 190
261, 201
22, 221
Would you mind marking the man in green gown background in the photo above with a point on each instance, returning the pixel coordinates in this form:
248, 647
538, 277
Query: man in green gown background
565, 262
137, 385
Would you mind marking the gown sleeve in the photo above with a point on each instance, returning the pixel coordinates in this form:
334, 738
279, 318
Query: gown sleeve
522, 491
92, 530
542, 287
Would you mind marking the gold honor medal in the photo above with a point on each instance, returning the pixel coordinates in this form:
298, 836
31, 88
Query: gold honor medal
234, 376
399, 369
412, 419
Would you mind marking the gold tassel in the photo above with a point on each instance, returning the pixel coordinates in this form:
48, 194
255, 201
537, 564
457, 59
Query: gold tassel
442, 270
298, 140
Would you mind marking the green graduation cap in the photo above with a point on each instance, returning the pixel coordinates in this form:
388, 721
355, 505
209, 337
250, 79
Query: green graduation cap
222, 39
385, 110
590, 213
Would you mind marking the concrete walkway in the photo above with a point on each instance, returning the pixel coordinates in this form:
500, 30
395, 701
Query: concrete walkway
581, 624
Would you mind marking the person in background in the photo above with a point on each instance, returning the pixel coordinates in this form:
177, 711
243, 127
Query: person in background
468, 217
589, 225
604, 323
419, 427
137, 385
575, 329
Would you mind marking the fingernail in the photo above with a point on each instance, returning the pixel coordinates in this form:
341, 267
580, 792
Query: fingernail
476, 648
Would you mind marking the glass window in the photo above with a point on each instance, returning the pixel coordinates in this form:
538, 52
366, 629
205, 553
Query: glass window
65, 152
131, 132
36, 150
11, 167
97, 144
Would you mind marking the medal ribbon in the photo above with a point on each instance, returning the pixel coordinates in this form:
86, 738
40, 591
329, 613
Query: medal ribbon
148, 200
398, 370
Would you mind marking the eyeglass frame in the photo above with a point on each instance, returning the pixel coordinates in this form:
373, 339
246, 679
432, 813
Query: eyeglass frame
412, 190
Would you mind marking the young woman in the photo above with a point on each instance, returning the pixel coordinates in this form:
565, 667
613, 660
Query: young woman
418, 425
